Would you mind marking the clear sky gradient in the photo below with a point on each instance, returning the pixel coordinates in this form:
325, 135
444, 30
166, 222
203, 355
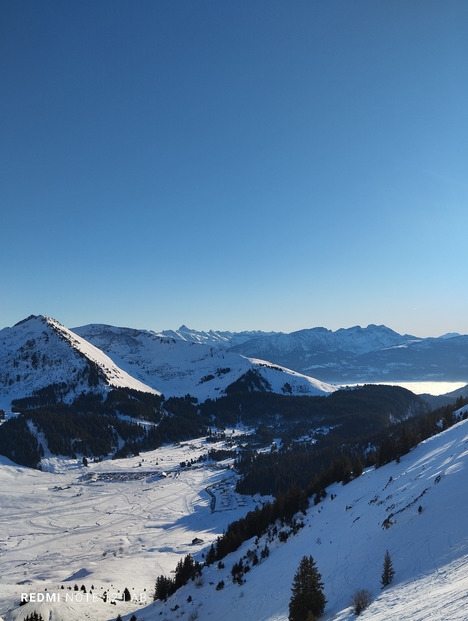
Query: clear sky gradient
235, 165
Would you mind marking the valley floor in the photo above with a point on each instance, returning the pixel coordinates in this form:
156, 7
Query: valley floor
111, 525
107, 527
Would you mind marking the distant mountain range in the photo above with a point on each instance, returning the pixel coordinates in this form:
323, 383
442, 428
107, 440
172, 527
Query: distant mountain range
215, 338
180, 366
349, 355
39, 352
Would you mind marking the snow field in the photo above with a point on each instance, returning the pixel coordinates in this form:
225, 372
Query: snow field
114, 524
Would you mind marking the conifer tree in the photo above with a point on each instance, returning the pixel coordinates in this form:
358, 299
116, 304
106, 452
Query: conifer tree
388, 572
211, 555
164, 587
307, 592
34, 616
358, 468
265, 553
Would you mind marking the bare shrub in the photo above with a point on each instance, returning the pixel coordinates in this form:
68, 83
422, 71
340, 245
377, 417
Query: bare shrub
361, 600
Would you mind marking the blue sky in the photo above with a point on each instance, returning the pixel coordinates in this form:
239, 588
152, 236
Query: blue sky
235, 165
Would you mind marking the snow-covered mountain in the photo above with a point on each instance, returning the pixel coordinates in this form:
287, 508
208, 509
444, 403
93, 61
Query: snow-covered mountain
39, 351
372, 354
215, 338
348, 355
177, 367
356, 340
307, 347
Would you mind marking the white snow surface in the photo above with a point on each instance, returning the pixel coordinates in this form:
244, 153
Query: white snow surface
112, 529
111, 525
40, 351
177, 367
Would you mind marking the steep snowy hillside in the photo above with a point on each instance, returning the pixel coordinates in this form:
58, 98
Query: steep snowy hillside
178, 367
38, 352
415, 509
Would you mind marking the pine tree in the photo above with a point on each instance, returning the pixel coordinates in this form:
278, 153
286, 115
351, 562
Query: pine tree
126, 595
265, 553
211, 555
388, 571
34, 616
307, 592
164, 587
358, 468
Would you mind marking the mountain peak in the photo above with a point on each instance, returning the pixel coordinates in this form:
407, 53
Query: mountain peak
39, 353
450, 335
30, 318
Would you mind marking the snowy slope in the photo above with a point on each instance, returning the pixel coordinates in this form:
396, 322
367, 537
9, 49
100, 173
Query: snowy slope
39, 351
348, 539
178, 367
